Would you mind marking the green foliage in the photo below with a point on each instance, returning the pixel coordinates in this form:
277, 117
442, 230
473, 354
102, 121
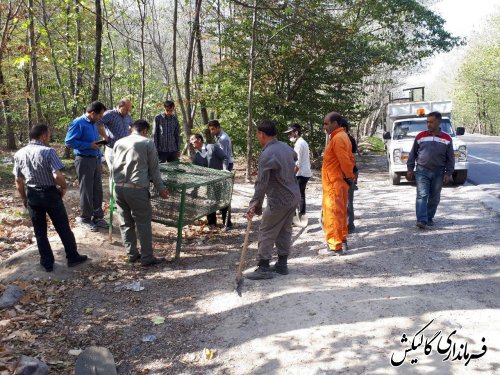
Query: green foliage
375, 144
477, 92
313, 57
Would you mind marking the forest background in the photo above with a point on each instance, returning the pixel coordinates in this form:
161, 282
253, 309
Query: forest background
238, 61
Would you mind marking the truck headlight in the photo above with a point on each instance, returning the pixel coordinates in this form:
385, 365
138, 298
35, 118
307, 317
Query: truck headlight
462, 153
396, 154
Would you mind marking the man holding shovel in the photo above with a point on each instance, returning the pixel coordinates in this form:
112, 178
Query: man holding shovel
276, 180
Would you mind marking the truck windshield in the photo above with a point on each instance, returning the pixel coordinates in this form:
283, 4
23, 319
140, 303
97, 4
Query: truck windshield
410, 128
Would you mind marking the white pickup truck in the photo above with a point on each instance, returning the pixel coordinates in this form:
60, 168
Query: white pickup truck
405, 121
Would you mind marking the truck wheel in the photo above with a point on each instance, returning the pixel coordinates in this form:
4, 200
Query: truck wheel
459, 177
395, 178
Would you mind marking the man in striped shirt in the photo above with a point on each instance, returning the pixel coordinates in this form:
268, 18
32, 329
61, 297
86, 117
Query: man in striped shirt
41, 185
432, 151
166, 134
114, 125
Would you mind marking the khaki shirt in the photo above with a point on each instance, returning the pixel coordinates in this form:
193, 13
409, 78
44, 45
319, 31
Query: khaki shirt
135, 161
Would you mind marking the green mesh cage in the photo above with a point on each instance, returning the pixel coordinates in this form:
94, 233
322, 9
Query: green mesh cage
194, 192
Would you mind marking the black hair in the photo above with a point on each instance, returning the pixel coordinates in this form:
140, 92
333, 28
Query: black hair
297, 128
214, 123
198, 136
168, 104
96, 107
38, 130
140, 125
435, 114
268, 127
345, 124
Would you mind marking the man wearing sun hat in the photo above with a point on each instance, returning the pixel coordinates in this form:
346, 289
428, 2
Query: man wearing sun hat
303, 163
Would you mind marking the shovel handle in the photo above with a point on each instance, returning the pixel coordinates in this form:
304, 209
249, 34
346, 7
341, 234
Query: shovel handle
244, 250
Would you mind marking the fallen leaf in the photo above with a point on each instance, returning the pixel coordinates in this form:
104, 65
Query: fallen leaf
158, 320
209, 353
88, 310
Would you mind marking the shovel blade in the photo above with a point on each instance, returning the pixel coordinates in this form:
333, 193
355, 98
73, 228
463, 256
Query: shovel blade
300, 221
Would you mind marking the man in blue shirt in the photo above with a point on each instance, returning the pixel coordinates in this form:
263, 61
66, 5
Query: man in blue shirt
82, 136
42, 185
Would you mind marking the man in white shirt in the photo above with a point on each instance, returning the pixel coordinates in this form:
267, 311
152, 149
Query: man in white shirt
303, 163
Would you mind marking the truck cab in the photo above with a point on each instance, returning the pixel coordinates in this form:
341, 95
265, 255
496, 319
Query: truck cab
405, 121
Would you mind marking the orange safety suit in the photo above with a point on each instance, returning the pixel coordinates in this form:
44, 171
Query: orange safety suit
338, 163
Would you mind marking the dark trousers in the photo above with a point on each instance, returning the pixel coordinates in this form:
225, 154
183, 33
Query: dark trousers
350, 204
212, 218
90, 181
167, 156
43, 201
302, 187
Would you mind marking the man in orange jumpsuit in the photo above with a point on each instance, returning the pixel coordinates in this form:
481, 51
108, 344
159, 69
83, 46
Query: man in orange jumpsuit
336, 175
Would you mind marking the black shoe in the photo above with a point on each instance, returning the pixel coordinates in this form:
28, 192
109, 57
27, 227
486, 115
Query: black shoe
344, 246
430, 223
134, 258
79, 259
421, 224
154, 262
282, 269
260, 273
351, 229
48, 268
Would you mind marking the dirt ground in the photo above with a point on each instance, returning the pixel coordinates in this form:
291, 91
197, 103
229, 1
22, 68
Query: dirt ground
339, 315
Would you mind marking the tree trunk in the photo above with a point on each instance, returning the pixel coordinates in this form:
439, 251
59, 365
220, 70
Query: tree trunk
9, 132
187, 130
28, 87
142, 14
33, 60
113, 59
98, 48
203, 106
187, 77
62, 90
78, 62
7, 31
248, 170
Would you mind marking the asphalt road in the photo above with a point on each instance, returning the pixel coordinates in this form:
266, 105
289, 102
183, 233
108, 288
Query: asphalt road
484, 162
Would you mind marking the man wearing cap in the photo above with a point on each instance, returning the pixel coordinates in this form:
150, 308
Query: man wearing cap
432, 151
337, 176
303, 163
42, 185
82, 137
276, 180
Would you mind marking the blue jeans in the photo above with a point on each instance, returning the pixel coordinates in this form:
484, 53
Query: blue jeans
429, 184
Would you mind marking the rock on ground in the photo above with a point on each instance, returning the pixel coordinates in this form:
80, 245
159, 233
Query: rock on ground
11, 295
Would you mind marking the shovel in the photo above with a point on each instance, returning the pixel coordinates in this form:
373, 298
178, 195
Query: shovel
300, 221
239, 279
